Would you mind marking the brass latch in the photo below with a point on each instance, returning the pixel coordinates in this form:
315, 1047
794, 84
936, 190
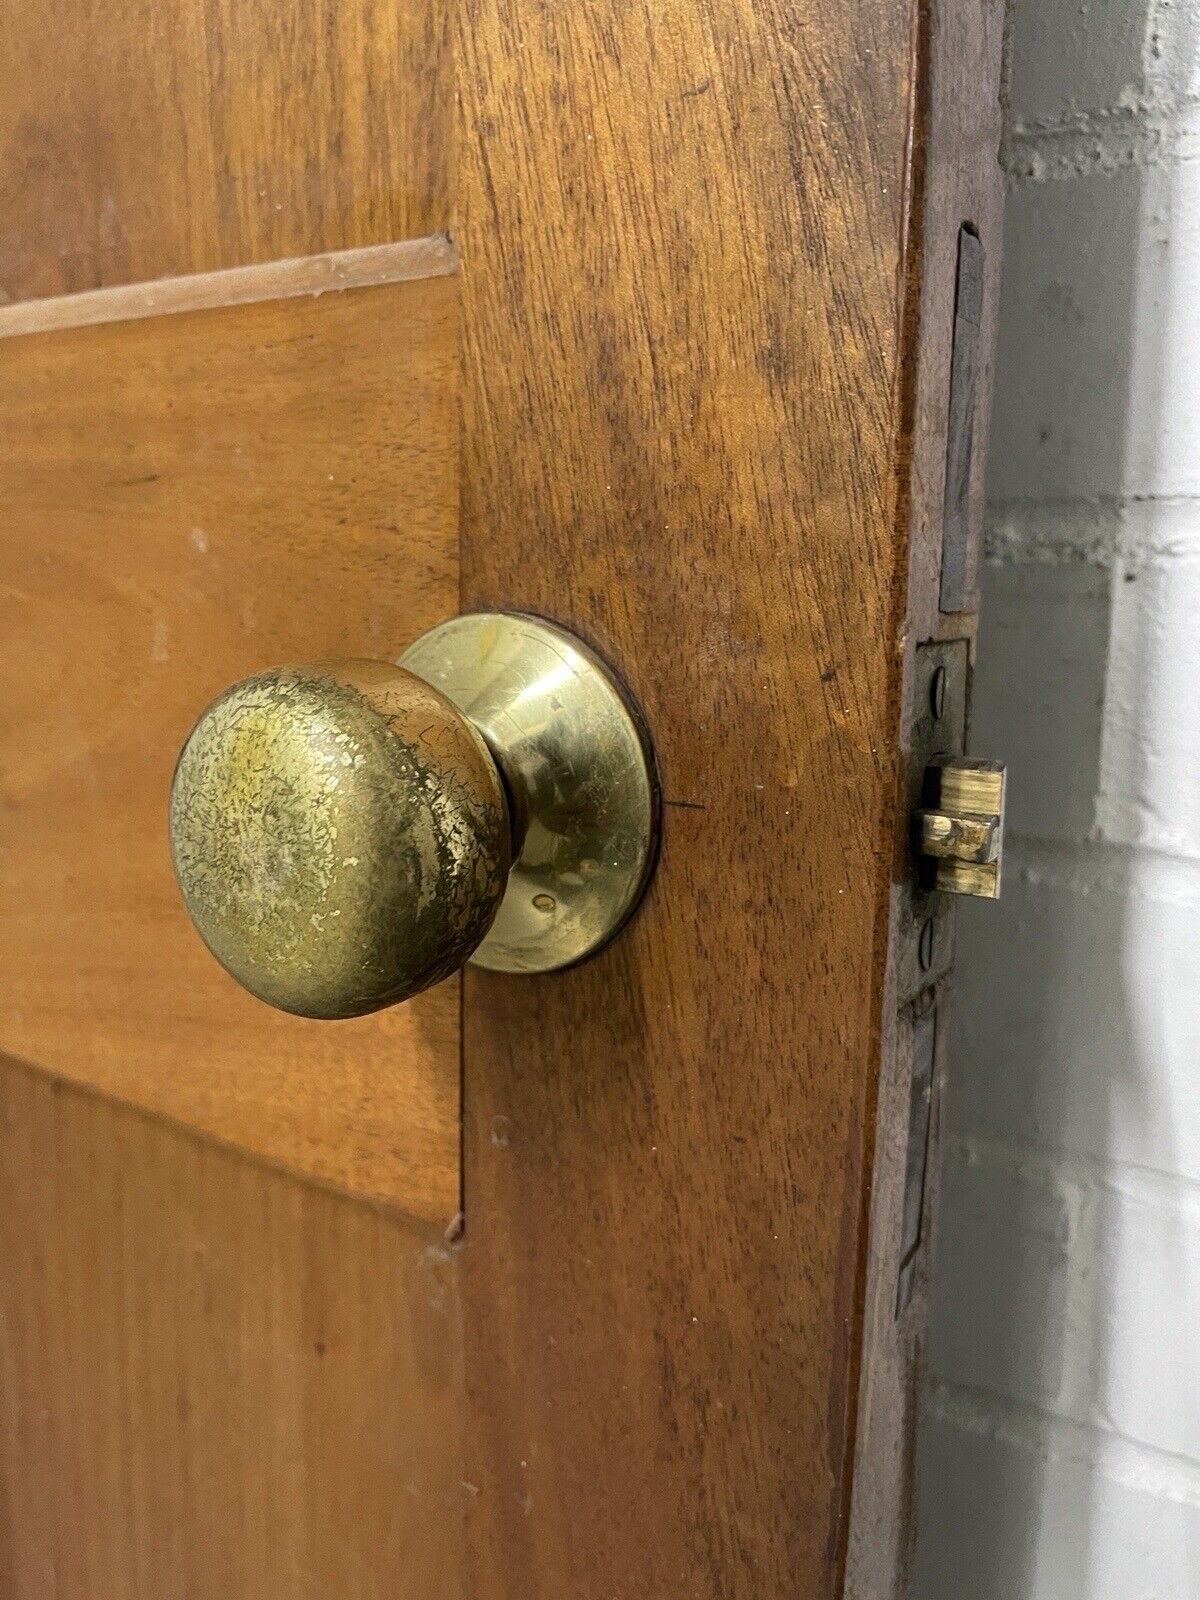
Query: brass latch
962, 832
955, 804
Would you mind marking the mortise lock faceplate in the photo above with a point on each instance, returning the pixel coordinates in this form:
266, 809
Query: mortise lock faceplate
956, 806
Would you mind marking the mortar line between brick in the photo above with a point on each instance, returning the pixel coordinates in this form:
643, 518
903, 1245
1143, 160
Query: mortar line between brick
1147, 1467
1115, 1174
1106, 864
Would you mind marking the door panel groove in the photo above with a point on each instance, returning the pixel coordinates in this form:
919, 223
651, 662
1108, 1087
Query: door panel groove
365, 268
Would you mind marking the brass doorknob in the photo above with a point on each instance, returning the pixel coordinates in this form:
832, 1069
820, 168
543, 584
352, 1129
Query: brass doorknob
346, 834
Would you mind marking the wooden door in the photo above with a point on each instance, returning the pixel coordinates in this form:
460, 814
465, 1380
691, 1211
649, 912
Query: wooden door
321, 323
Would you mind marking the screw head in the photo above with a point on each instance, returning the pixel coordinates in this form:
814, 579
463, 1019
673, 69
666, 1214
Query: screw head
937, 694
925, 945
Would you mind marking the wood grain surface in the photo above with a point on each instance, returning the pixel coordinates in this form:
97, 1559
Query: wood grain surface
684, 234
189, 498
159, 137
219, 1382
704, 320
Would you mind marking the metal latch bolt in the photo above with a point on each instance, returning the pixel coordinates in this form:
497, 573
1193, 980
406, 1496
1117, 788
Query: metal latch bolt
962, 832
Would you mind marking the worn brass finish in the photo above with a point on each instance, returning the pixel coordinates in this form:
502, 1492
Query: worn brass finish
963, 832
960, 838
340, 834
578, 770
343, 833
956, 807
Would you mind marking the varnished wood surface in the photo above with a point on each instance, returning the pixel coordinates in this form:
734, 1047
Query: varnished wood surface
218, 1382
189, 498
159, 137
699, 416
684, 270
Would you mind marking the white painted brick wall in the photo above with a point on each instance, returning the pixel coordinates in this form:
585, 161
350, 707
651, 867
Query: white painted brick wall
1060, 1456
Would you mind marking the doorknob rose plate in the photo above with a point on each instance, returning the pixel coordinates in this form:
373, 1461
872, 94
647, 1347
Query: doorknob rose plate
345, 835
578, 769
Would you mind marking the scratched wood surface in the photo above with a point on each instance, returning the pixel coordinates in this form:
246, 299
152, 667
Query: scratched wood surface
219, 1382
683, 232
159, 137
188, 498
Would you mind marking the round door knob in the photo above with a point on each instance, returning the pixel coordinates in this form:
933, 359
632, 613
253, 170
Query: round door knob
346, 834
